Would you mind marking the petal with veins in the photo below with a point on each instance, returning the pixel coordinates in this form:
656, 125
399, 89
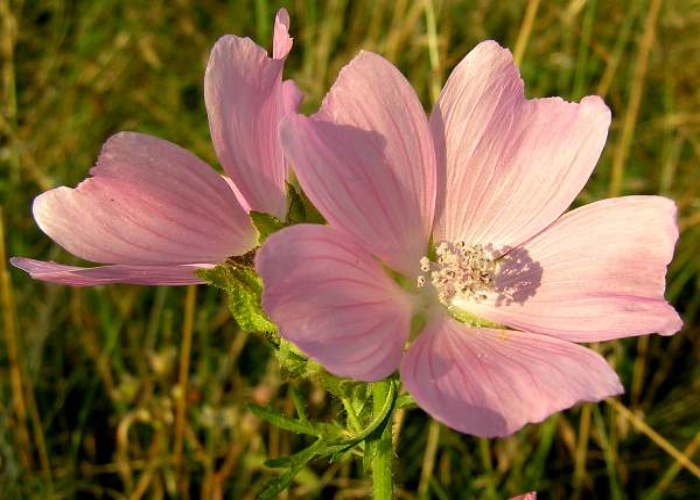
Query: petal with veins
104, 275
243, 93
332, 299
366, 160
507, 166
490, 382
598, 273
148, 202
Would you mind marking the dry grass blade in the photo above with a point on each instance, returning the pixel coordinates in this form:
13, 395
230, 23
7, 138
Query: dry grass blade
429, 459
673, 471
13, 353
640, 70
181, 410
657, 438
525, 30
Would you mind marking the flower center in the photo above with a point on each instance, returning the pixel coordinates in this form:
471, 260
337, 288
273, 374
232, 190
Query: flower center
463, 270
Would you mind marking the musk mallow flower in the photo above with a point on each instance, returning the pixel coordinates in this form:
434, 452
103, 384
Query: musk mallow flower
155, 213
447, 255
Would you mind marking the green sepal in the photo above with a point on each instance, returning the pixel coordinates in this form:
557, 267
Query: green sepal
265, 224
406, 402
293, 364
296, 210
339, 387
238, 279
301, 209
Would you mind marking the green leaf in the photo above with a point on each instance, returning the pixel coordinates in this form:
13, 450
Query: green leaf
278, 463
377, 424
243, 287
296, 463
298, 405
265, 224
286, 423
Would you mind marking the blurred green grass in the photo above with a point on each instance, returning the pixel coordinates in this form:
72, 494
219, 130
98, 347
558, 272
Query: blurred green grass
99, 367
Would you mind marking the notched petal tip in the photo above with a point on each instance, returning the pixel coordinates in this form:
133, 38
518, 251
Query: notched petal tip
492, 48
483, 119
26, 265
594, 105
674, 324
281, 41
282, 17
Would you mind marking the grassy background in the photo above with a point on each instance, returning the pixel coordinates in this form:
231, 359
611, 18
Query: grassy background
89, 377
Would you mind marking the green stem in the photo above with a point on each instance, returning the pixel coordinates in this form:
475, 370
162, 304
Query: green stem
383, 451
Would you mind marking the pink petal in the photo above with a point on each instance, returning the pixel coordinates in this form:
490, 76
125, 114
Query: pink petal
82, 276
366, 161
292, 96
243, 92
281, 41
527, 496
508, 167
332, 299
490, 382
598, 274
149, 202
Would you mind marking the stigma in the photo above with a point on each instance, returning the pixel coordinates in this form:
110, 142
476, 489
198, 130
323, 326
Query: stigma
460, 270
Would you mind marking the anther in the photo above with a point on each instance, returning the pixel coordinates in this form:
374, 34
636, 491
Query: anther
461, 269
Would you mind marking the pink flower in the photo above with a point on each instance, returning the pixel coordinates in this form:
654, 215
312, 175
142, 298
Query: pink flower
493, 313
155, 212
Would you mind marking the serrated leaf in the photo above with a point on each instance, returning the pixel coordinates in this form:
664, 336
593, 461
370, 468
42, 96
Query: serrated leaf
296, 463
265, 224
289, 424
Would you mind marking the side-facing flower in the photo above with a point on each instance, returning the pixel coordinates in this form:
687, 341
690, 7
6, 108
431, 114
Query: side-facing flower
156, 213
493, 307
